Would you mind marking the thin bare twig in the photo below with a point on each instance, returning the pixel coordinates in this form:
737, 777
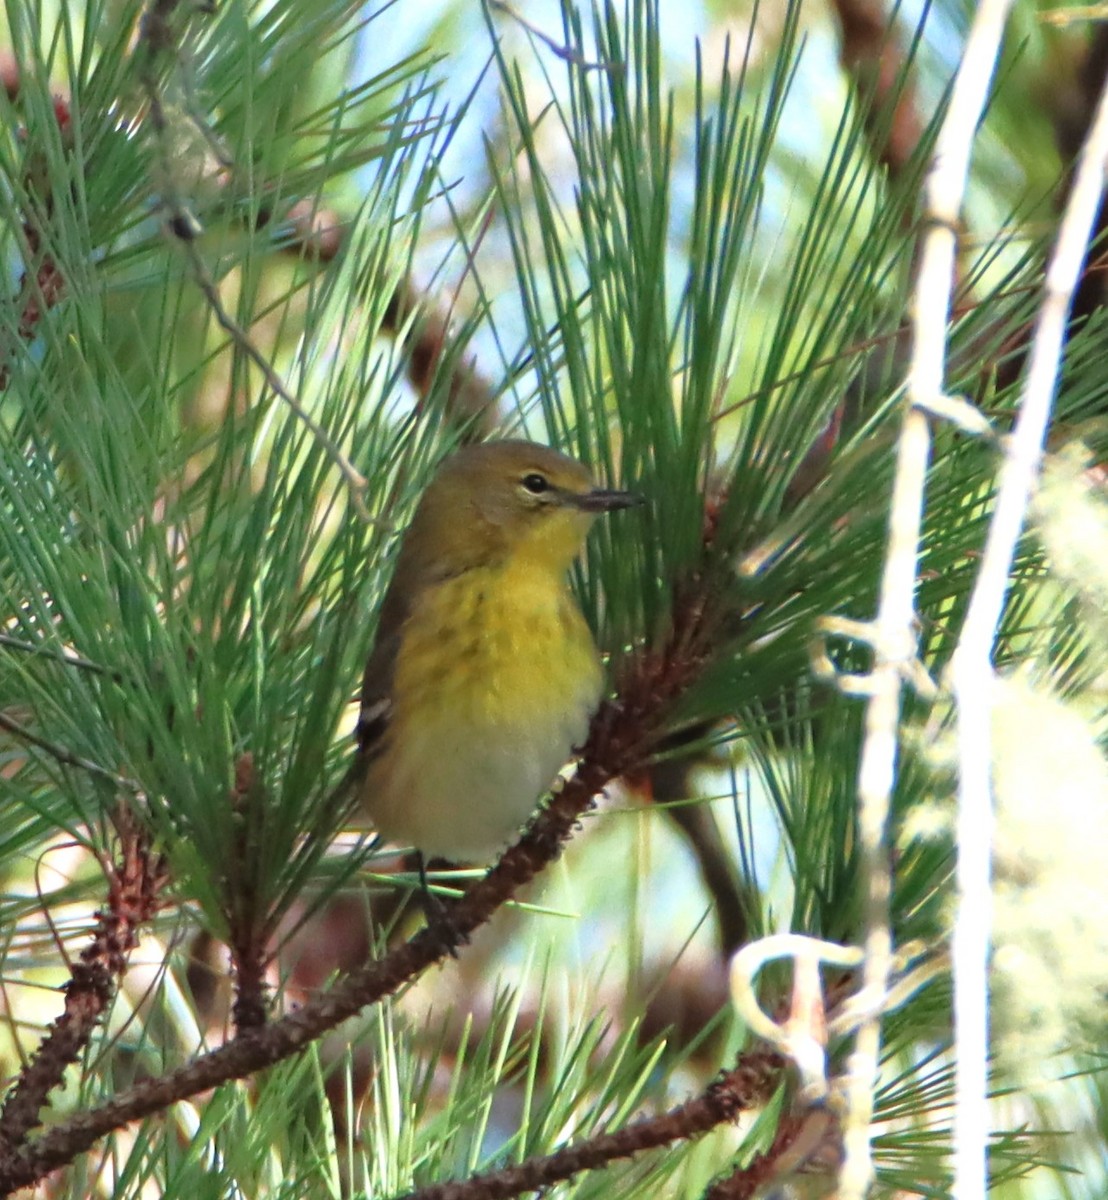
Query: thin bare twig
67, 657
564, 52
308, 231
972, 674
894, 638
355, 480
66, 757
158, 40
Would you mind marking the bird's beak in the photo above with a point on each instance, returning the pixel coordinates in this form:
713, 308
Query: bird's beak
602, 500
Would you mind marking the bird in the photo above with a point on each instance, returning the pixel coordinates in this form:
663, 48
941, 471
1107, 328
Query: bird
484, 674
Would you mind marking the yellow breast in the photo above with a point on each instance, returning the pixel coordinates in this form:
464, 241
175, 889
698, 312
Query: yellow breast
496, 678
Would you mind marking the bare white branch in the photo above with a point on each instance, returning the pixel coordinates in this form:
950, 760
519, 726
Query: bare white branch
894, 637
972, 671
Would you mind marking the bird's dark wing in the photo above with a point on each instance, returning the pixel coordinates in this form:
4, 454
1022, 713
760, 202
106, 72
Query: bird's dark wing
373, 719
413, 575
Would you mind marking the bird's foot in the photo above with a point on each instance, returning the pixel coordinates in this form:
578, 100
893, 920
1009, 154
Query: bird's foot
439, 916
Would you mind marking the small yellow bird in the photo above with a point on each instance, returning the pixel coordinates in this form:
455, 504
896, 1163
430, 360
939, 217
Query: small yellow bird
484, 675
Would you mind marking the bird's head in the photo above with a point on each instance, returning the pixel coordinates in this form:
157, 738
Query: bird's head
511, 500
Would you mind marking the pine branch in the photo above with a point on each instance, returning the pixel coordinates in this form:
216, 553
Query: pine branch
134, 884
622, 733
247, 940
749, 1083
799, 1138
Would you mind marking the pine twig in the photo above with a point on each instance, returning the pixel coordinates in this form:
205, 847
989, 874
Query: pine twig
134, 884
316, 233
247, 940
622, 734
798, 1139
157, 42
308, 231
749, 1083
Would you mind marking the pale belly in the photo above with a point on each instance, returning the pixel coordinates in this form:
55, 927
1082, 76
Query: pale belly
461, 767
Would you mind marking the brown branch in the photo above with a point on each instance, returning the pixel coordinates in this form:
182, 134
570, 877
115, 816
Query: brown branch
877, 68
798, 1139
670, 787
1072, 127
258, 1048
427, 340
620, 737
247, 941
751, 1082
134, 883
42, 283
1089, 295
307, 231
11, 77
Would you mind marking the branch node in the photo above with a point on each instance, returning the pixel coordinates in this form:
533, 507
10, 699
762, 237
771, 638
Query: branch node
902, 659
958, 411
802, 1037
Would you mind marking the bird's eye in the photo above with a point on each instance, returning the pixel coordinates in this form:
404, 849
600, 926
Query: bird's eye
536, 484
